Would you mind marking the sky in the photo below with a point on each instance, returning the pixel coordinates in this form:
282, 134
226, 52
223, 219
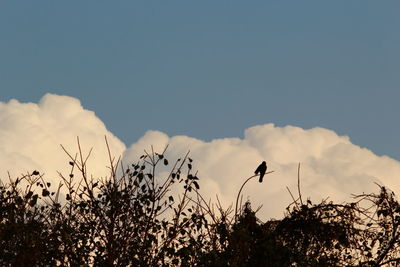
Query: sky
207, 70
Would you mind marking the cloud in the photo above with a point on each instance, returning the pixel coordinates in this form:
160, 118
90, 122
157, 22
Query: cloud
31, 134
331, 166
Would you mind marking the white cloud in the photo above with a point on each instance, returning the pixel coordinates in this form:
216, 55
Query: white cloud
31, 134
331, 165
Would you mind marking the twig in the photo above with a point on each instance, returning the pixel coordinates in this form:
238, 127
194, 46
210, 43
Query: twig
298, 183
241, 188
294, 200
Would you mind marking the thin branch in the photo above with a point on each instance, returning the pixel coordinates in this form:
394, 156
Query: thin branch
294, 200
241, 188
298, 183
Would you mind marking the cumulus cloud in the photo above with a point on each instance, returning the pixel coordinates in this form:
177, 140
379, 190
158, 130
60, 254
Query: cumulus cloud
31, 134
331, 166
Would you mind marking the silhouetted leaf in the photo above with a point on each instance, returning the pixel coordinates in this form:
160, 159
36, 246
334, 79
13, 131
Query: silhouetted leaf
196, 185
45, 192
33, 201
29, 195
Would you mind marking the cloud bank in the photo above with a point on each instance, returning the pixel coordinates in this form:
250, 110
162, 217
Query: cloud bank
31, 134
331, 166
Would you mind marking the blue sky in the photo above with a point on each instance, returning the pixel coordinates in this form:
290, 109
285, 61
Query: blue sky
210, 69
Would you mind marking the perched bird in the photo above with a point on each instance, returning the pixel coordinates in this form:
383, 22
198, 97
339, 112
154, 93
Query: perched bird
261, 169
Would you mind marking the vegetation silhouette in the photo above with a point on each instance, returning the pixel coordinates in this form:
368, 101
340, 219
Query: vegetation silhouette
133, 217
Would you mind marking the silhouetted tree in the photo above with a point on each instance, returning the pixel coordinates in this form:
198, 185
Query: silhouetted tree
134, 217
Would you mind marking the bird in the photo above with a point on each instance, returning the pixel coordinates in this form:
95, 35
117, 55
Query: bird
261, 169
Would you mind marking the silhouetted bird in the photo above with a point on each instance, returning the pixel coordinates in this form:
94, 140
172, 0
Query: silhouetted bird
261, 169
